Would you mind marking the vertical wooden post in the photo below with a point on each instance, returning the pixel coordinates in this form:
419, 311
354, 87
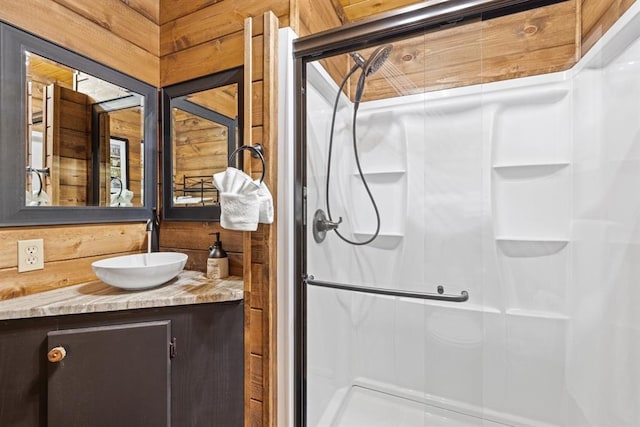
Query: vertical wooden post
246, 236
294, 16
269, 278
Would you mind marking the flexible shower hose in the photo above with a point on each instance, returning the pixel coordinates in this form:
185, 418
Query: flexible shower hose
356, 105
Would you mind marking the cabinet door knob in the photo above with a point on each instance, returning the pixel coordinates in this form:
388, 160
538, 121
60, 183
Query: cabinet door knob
56, 354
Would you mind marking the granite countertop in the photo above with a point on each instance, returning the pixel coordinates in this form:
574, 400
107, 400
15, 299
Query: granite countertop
189, 287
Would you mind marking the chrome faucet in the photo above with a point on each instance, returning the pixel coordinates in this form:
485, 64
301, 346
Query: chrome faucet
149, 233
153, 232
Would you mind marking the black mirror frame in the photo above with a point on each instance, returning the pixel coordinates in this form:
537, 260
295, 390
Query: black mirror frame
13, 212
169, 93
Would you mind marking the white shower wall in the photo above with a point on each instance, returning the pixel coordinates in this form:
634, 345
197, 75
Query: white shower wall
525, 194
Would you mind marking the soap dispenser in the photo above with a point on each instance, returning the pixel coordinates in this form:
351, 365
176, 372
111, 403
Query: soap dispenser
218, 262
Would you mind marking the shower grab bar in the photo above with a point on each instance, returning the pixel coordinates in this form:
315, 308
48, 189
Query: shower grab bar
440, 296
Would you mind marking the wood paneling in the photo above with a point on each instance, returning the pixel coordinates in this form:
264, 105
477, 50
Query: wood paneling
47, 18
200, 148
255, 334
118, 18
597, 17
69, 252
148, 8
256, 379
171, 10
536, 41
194, 239
195, 28
356, 10
316, 16
206, 58
249, 407
205, 37
255, 414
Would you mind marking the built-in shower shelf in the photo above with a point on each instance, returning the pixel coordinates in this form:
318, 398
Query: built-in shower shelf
386, 175
518, 247
518, 171
537, 314
383, 241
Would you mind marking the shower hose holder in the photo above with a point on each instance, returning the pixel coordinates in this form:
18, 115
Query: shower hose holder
321, 225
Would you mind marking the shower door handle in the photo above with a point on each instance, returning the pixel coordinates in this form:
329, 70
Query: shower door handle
440, 296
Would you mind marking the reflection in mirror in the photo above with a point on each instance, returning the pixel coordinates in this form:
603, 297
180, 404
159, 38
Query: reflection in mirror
204, 131
76, 123
202, 125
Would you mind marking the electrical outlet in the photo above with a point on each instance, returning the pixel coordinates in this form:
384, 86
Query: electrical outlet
30, 255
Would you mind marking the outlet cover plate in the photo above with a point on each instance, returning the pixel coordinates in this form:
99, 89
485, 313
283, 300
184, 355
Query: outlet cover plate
30, 255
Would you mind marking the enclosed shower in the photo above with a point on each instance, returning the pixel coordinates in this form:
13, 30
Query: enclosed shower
467, 250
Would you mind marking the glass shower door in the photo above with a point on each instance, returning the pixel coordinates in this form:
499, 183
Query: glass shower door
391, 339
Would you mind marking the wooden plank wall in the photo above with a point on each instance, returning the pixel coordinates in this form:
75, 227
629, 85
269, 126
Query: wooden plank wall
597, 17
356, 10
533, 42
69, 252
200, 37
200, 146
123, 34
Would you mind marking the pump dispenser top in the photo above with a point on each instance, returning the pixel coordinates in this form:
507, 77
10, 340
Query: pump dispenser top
216, 250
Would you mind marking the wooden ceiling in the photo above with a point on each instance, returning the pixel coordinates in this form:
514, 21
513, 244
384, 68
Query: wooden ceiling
356, 10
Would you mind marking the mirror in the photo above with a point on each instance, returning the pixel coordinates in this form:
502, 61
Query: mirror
79, 129
201, 127
75, 135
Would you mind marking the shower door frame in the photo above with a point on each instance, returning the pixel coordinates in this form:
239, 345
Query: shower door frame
389, 27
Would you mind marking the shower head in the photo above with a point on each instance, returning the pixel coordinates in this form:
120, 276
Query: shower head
375, 61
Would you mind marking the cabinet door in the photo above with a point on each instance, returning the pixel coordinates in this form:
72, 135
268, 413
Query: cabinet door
110, 376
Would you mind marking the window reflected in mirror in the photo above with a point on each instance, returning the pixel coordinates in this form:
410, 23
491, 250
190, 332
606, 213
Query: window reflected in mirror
204, 129
84, 139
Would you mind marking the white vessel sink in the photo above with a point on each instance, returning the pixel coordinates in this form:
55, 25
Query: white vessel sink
140, 271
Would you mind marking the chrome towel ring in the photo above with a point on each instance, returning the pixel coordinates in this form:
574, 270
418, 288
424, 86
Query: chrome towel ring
257, 151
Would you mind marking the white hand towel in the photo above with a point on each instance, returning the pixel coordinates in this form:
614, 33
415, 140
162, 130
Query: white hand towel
239, 205
122, 198
266, 203
239, 211
37, 199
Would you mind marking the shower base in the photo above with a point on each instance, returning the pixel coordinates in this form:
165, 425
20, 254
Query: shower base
360, 407
370, 403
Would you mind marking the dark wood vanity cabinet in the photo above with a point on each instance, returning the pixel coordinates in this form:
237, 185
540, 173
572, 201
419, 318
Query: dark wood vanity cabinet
170, 366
